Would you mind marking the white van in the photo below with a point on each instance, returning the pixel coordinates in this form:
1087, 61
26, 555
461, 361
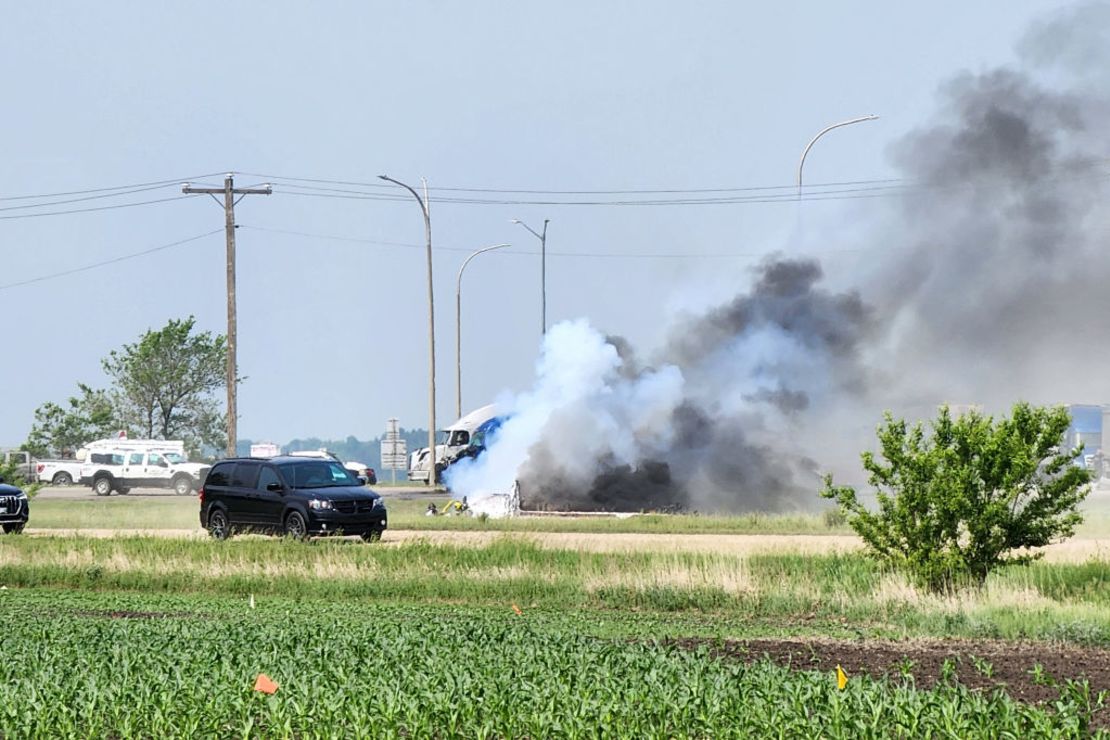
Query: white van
452, 440
122, 464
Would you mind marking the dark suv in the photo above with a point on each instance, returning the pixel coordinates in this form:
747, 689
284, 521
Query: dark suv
14, 508
297, 496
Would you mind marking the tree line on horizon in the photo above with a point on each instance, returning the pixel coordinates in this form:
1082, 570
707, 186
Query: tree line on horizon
351, 448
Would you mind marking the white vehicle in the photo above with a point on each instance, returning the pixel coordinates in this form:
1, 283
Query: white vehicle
359, 469
58, 472
452, 440
122, 464
265, 449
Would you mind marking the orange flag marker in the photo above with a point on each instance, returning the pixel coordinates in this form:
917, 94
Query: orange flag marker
841, 678
265, 684
516, 609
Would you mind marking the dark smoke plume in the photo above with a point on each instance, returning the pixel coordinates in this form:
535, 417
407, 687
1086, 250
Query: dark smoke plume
990, 284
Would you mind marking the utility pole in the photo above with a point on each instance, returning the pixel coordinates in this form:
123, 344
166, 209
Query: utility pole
230, 191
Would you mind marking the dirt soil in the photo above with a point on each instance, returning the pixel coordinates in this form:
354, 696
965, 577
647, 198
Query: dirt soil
1009, 664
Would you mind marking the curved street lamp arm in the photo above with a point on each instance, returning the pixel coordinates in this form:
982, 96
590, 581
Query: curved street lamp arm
423, 205
533, 231
458, 324
822, 132
458, 281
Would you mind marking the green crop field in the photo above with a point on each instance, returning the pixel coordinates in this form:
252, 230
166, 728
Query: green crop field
516, 635
108, 665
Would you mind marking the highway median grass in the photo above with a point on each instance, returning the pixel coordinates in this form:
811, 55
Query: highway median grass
408, 514
180, 513
845, 593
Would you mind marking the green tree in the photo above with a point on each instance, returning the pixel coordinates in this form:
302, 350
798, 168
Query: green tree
971, 496
60, 430
166, 384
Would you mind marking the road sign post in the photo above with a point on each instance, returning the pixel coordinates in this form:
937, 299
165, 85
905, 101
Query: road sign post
394, 450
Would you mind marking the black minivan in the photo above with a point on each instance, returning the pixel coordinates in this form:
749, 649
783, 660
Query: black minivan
297, 496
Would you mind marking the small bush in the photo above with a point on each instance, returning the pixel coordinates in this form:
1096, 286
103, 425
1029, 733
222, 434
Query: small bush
955, 504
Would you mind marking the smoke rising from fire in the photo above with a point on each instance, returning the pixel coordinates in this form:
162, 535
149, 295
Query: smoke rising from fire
989, 285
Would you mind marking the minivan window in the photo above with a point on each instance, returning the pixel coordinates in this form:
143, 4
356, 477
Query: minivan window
136, 458
154, 459
266, 477
218, 476
317, 474
245, 475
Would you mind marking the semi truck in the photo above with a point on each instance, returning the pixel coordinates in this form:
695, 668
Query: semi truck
452, 440
1086, 428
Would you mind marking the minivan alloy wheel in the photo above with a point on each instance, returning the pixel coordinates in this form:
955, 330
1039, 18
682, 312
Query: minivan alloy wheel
217, 525
295, 526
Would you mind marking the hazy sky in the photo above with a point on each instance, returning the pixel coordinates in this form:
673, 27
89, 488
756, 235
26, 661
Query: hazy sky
567, 96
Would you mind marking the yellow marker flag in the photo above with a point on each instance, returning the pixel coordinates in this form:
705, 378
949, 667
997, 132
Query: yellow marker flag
841, 678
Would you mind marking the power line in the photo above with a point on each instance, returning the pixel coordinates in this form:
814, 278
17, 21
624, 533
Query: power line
792, 188
174, 181
877, 190
97, 208
843, 195
112, 261
789, 191
321, 188
82, 199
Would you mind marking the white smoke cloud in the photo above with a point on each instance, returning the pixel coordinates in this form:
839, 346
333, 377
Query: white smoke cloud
582, 400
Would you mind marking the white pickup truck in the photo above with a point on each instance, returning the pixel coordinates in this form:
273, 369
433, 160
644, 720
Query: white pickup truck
120, 465
58, 472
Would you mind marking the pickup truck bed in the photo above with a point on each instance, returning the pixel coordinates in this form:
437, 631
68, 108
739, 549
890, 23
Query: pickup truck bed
58, 472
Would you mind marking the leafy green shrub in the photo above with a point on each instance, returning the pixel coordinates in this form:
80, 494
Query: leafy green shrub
957, 503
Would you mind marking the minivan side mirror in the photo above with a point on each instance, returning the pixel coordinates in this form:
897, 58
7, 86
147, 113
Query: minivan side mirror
362, 479
275, 486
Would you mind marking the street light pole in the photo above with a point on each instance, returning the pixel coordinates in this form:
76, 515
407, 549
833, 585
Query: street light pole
542, 236
431, 327
458, 326
821, 133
